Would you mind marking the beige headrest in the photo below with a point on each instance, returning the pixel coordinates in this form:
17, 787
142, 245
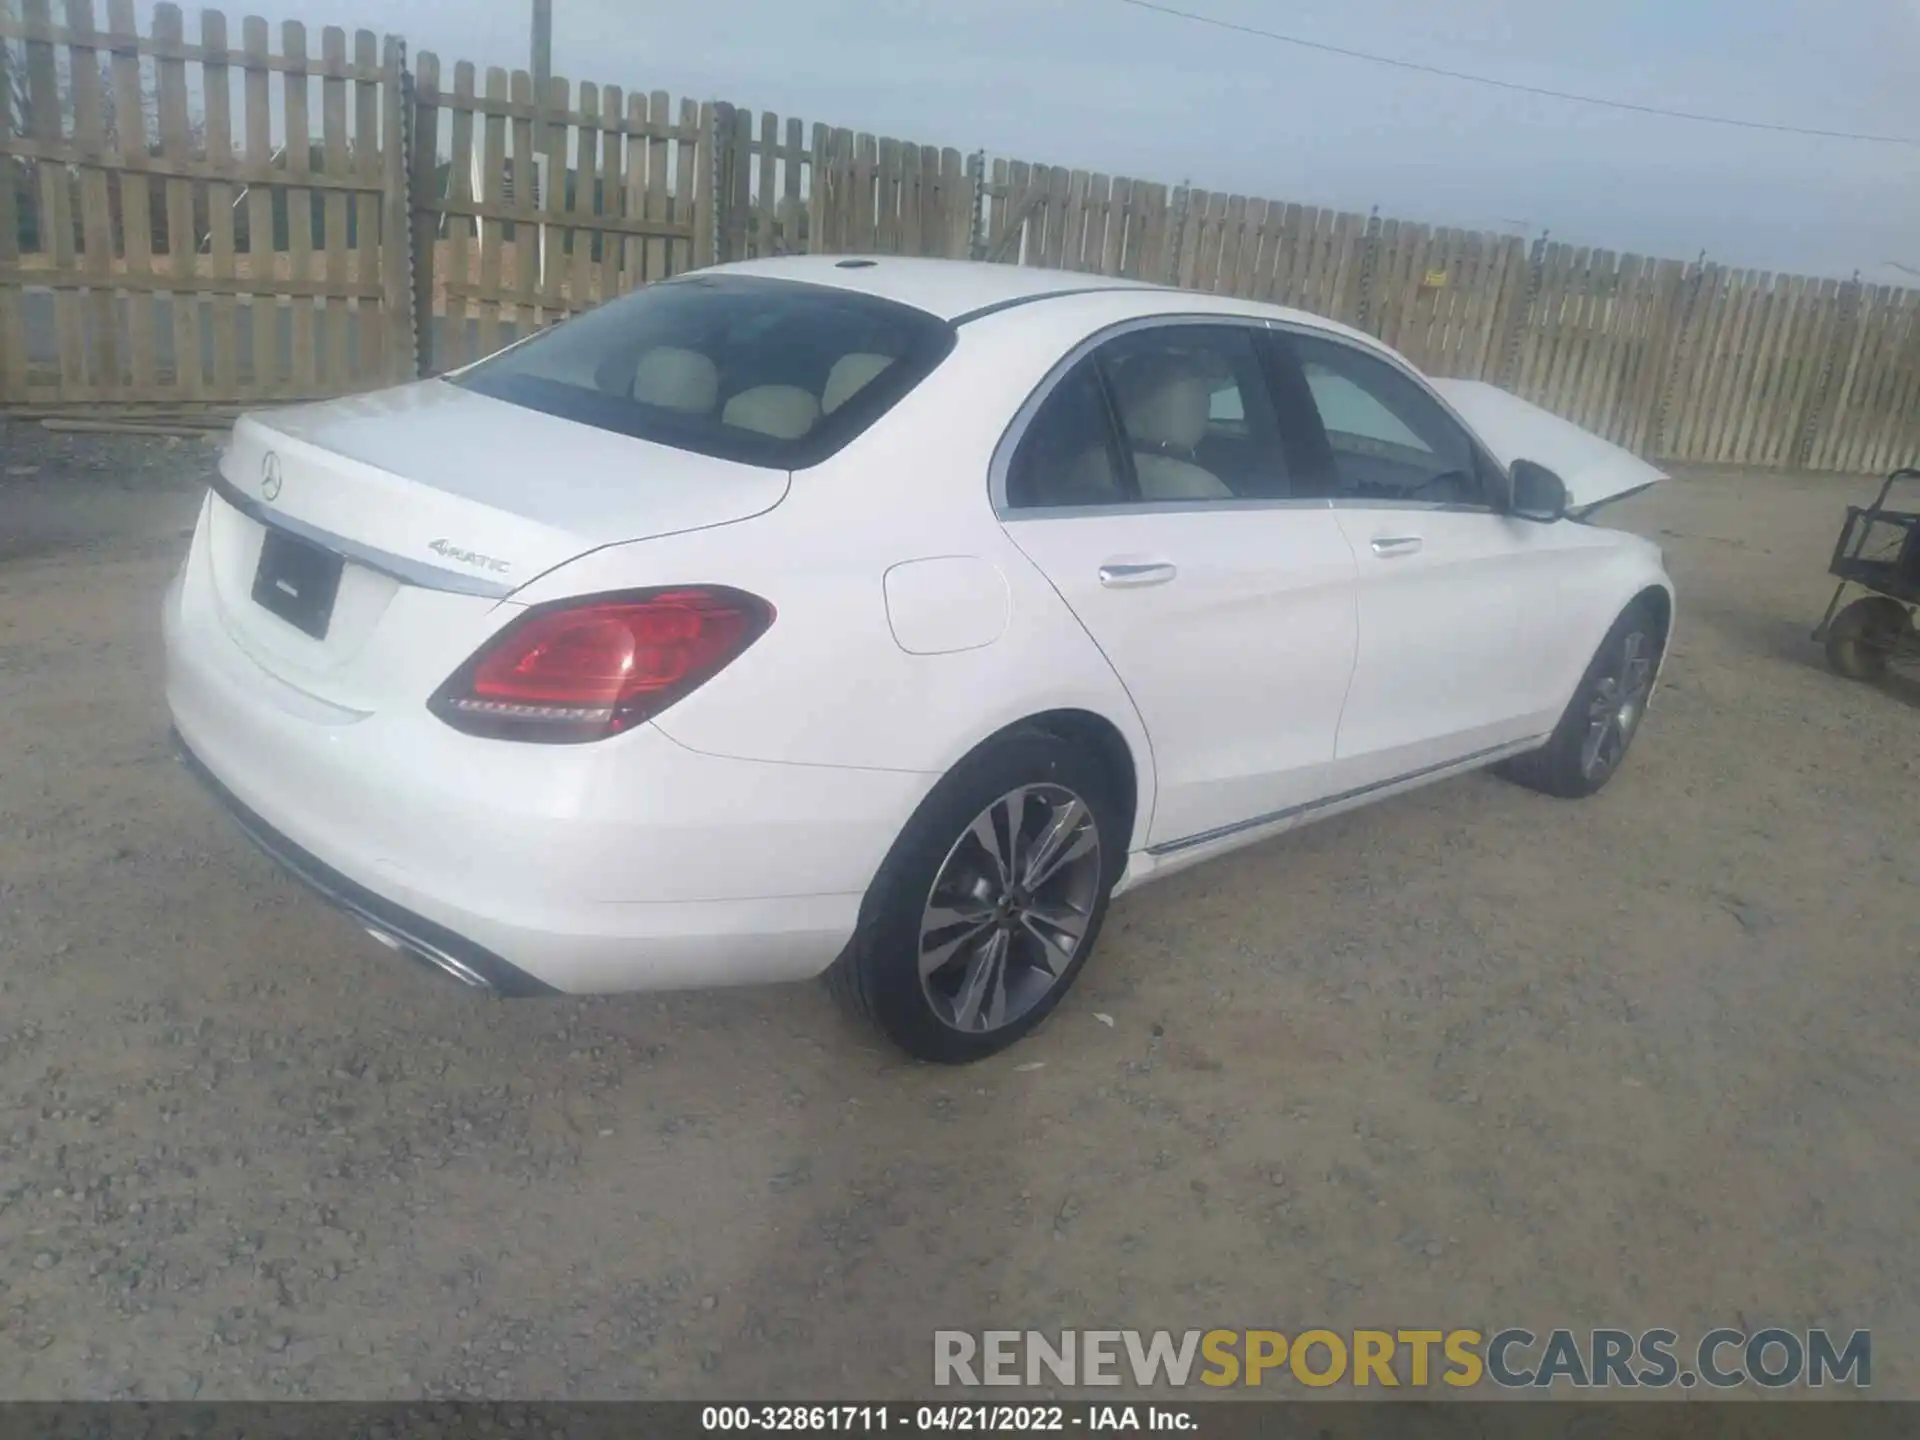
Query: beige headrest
677, 379
1163, 401
850, 375
785, 412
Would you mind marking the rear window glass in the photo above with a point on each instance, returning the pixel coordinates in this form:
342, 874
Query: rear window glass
768, 372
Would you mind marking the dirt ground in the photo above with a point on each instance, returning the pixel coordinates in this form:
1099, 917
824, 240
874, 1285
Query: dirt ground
1469, 1058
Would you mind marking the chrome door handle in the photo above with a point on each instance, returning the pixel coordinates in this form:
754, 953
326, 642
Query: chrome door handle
1388, 546
1121, 577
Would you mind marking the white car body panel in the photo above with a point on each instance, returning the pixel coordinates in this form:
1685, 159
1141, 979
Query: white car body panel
1593, 469
1261, 595
1286, 674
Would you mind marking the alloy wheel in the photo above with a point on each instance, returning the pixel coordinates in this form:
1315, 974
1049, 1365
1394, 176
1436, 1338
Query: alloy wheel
1619, 701
1010, 908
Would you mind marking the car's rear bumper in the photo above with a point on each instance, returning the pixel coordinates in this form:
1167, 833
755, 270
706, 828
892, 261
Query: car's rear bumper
634, 864
412, 935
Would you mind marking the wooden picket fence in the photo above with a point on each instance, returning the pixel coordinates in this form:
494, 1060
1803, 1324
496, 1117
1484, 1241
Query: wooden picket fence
149, 296
620, 176
435, 213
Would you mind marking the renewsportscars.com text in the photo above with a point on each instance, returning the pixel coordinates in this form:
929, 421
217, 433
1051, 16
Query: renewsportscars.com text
1514, 1358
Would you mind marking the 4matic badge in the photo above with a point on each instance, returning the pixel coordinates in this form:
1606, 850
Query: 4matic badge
448, 550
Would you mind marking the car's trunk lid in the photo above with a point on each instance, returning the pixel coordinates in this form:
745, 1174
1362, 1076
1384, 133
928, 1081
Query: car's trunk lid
1594, 470
438, 503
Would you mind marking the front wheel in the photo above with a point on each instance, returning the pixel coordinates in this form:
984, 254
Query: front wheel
989, 903
1591, 740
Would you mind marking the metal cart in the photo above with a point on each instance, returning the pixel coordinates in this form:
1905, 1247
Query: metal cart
1879, 552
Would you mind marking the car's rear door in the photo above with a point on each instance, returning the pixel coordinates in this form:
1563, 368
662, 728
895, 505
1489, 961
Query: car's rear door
1150, 484
1456, 598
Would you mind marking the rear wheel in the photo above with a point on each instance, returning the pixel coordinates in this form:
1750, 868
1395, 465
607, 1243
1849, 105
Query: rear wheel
1591, 740
1863, 637
989, 903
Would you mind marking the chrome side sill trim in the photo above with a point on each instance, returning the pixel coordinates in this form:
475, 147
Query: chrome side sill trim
1274, 817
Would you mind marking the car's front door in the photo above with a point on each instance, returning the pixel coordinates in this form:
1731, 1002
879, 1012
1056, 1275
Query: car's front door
1456, 597
1152, 488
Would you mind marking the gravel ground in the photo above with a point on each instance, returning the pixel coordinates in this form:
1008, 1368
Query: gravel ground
1469, 1058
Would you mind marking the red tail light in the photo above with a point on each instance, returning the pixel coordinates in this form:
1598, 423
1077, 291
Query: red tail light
586, 669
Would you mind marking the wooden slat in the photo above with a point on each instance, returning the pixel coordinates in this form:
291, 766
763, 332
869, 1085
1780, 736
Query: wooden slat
1864, 442
525, 284
553, 204
56, 218
693, 204
633, 252
1803, 323
293, 42
1898, 443
14, 385
655, 211
612, 120
791, 208
262, 258
1774, 438
492, 232
182, 241
337, 370
886, 232
96, 221
457, 226
765, 239
915, 184
1759, 422
1807, 392
1746, 374
866, 213
1664, 334
373, 329
216, 89
1632, 298
586, 171
1838, 429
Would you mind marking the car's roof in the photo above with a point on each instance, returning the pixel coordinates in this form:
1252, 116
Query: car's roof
962, 289
947, 288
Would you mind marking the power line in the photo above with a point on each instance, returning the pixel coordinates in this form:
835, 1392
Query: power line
1513, 85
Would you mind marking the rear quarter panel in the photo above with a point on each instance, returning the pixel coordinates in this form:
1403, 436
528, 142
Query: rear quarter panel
831, 683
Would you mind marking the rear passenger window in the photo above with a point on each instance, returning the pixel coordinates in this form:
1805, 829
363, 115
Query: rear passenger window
1165, 414
1068, 456
1194, 413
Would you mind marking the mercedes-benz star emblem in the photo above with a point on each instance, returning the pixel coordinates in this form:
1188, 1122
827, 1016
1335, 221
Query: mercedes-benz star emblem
270, 476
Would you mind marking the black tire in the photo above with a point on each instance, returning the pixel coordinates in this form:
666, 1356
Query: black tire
1564, 766
1863, 637
878, 975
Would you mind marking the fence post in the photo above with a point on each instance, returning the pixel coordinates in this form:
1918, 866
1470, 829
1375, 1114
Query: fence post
1369, 254
400, 299
420, 143
977, 223
1839, 343
1177, 232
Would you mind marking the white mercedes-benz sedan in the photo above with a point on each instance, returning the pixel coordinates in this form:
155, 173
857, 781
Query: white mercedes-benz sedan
883, 618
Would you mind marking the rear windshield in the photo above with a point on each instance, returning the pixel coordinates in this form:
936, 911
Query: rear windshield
769, 372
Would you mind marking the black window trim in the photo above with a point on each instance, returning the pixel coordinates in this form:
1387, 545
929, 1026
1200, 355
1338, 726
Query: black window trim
859, 414
1010, 440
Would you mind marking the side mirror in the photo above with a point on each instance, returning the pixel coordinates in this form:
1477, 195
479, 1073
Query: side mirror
1538, 493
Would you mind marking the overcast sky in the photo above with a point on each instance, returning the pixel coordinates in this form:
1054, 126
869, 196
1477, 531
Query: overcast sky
1100, 85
